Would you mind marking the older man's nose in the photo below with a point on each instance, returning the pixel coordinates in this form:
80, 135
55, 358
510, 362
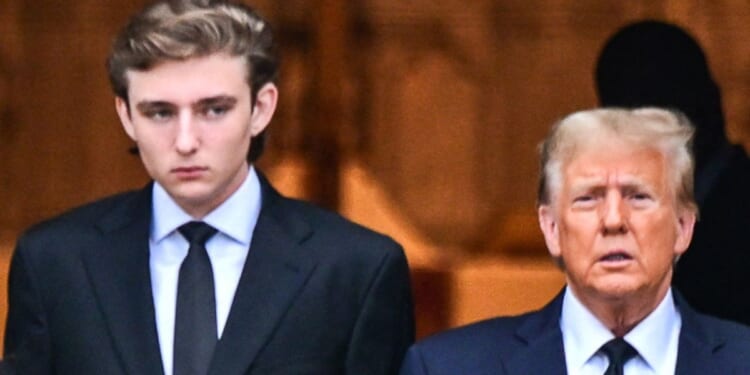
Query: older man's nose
614, 217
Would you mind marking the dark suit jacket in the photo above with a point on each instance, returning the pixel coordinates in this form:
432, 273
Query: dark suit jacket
532, 344
318, 295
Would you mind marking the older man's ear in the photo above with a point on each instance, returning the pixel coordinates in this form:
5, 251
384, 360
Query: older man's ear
548, 225
685, 224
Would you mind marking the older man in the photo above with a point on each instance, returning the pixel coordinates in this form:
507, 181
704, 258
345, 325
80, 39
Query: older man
616, 208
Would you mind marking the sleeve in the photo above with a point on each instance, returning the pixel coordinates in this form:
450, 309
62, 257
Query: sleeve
27, 339
385, 326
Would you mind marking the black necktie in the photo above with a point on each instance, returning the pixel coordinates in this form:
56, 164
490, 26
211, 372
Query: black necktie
618, 351
195, 318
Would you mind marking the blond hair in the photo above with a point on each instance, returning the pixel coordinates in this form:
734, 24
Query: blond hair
670, 132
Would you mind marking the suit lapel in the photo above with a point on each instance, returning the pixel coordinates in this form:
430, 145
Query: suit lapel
697, 344
273, 275
540, 349
118, 267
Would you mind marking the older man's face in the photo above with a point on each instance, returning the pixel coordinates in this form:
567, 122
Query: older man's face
615, 222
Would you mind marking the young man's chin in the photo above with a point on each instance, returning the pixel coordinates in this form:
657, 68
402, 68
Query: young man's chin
191, 194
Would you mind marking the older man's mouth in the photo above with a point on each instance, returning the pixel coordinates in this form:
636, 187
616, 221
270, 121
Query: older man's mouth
617, 256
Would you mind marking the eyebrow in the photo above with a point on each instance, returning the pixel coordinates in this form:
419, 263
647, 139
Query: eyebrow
593, 183
146, 105
214, 100
587, 183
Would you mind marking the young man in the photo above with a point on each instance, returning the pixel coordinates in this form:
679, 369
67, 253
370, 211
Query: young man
616, 209
125, 286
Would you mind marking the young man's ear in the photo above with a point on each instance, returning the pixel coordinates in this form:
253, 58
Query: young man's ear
121, 105
265, 105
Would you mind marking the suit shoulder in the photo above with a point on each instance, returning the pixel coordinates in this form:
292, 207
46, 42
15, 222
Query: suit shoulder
333, 226
475, 335
735, 334
472, 348
76, 220
721, 345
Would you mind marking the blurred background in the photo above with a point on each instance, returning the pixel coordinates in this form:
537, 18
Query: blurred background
417, 118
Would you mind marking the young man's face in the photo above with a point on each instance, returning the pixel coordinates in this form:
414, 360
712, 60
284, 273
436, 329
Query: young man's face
192, 121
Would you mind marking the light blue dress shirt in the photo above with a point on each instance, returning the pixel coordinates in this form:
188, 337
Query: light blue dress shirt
656, 339
235, 221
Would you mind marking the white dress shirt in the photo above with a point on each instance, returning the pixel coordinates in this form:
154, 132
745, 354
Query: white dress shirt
655, 338
235, 221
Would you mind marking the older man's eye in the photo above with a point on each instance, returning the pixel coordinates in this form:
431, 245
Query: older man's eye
584, 200
640, 196
640, 199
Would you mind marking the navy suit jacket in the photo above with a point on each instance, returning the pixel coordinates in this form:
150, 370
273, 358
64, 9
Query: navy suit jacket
317, 295
532, 344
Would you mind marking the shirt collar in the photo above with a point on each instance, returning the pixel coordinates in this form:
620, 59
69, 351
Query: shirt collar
235, 217
581, 330
586, 333
652, 335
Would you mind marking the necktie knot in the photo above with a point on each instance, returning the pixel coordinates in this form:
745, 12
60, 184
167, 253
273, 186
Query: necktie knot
618, 351
197, 232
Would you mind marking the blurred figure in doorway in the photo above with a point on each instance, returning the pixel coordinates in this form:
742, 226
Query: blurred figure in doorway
652, 63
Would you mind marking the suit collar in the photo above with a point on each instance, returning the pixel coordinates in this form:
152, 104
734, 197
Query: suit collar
698, 343
118, 266
541, 347
235, 217
274, 274
540, 343
277, 208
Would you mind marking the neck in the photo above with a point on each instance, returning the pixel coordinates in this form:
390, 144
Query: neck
621, 313
200, 207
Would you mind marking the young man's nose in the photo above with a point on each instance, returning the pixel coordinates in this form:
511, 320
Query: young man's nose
187, 135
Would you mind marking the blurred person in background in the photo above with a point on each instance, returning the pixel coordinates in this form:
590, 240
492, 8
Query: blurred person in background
652, 63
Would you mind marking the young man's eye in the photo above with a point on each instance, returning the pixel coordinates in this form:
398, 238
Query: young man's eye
216, 111
214, 108
159, 114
